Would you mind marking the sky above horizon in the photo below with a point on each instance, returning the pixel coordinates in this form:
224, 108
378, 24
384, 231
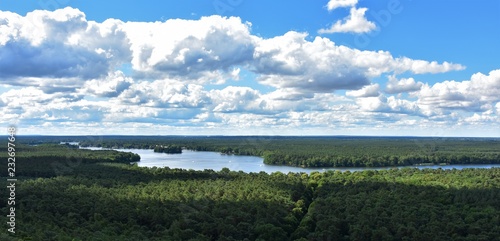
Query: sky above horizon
239, 67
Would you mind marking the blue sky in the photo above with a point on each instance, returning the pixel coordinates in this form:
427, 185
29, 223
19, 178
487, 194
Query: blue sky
230, 67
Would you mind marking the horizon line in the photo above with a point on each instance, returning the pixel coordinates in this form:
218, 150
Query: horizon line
192, 135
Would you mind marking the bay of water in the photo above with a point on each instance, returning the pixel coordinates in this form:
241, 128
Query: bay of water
201, 160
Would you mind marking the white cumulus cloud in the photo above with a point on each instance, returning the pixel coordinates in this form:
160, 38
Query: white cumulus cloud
389, 104
167, 93
61, 44
111, 86
356, 22
367, 91
333, 4
320, 66
235, 99
190, 48
472, 95
395, 86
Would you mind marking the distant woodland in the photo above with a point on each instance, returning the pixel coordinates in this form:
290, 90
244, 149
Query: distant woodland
65, 193
315, 151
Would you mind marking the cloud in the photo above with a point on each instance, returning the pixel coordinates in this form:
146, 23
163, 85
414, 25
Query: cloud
111, 86
373, 104
356, 22
333, 4
64, 70
472, 95
395, 86
15, 100
19, 59
367, 91
288, 94
379, 62
31, 105
189, 48
290, 61
490, 116
423, 67
167, 93
172, 94
58, 48
320, 66
389, 105
62, 52
235, 99
403, 106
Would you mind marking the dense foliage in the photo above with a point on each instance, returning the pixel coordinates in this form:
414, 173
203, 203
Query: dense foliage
47, 160
406, 204
318, 151
170, 149
96, 199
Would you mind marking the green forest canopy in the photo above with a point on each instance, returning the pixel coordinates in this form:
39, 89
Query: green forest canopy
313, 151
65, 193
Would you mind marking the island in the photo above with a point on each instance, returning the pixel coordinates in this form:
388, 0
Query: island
170, 149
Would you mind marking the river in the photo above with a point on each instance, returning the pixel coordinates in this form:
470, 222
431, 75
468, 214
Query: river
201, 160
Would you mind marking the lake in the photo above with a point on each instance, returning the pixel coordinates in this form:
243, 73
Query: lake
201, 160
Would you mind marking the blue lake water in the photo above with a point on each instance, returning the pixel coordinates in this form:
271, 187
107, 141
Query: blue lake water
201, 160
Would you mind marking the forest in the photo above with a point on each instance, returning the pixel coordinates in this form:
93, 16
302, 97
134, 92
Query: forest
315, 151
170, 149
66, 193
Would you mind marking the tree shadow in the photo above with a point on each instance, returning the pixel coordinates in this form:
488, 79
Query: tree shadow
372, 209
